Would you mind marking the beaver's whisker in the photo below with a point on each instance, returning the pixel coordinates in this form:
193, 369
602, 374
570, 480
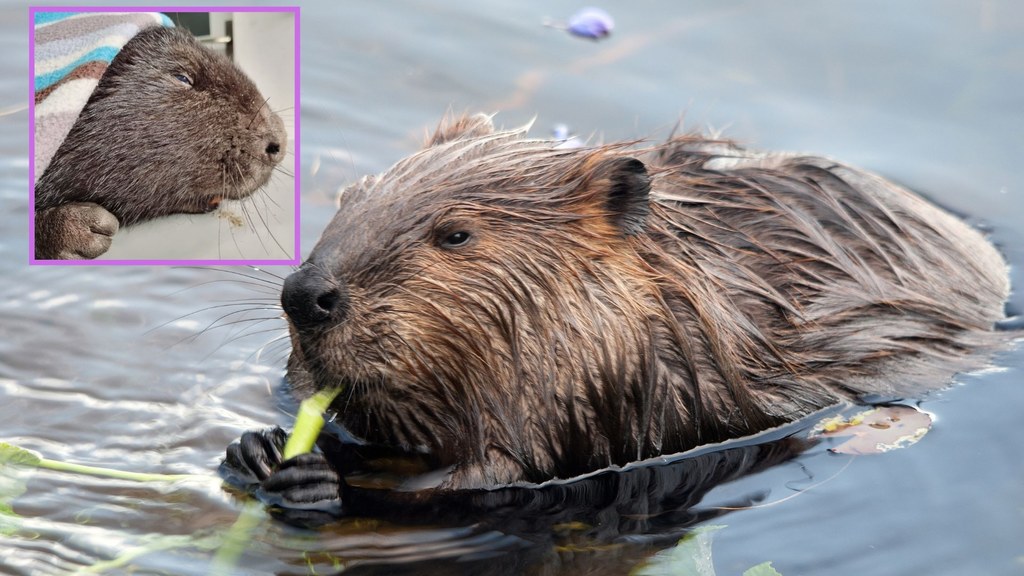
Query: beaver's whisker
258, 306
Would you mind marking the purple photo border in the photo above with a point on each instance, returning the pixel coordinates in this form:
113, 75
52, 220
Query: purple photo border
32, 10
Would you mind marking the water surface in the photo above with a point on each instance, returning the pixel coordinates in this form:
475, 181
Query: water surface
115, 367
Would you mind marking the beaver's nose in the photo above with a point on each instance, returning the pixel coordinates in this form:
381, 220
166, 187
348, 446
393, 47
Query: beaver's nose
311, 299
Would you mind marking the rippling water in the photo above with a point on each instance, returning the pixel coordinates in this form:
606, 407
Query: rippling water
116, 367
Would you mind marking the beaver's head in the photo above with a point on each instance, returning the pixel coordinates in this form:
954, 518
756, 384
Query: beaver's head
473, 299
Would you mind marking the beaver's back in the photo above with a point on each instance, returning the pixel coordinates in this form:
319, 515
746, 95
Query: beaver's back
860, 285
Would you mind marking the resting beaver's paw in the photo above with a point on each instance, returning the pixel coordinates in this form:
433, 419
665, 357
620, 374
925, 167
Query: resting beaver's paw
307, 488
75, 231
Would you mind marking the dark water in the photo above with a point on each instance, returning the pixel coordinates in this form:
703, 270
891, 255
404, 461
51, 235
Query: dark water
112, 366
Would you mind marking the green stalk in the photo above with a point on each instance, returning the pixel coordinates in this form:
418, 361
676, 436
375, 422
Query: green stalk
237, 539
308, 422
117, 474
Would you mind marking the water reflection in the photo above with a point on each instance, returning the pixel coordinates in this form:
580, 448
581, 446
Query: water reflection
611, 515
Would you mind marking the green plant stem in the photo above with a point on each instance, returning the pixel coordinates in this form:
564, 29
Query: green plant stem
308, 422
237, 539
117, 474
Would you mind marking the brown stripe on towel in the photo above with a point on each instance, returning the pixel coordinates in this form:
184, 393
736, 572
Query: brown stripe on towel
88, 70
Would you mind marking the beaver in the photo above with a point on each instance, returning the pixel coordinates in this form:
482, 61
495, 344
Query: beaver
513, 312
171, 128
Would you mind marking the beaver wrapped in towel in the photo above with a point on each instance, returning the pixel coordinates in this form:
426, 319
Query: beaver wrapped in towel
512, 311
146, 123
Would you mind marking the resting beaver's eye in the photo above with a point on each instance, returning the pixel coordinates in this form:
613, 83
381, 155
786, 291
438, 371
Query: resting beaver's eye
183, 78
455, 239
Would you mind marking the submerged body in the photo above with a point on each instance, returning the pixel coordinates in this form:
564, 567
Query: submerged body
516, 312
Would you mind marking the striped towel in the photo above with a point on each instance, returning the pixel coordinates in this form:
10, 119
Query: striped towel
72, 50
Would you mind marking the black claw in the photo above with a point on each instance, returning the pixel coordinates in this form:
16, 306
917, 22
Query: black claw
252, 459
259, 453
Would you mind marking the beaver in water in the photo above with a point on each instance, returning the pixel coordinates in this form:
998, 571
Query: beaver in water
512, 311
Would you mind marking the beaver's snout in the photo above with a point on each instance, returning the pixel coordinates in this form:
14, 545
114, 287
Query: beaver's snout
312, 300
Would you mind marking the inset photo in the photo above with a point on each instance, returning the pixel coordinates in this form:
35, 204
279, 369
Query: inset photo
164, 136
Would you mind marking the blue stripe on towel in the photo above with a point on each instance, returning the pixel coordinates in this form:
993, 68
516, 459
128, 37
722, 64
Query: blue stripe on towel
103, 54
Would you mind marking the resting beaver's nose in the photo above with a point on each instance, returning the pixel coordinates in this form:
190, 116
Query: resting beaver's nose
274, 141
273, 151
311, 299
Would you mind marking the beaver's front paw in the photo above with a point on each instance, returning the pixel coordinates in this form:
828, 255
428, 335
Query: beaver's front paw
75, 231
305, 482
304, 490
252, 459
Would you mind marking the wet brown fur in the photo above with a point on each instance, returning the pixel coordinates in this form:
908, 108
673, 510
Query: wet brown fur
614, 304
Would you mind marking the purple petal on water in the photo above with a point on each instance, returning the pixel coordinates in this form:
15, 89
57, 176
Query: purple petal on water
560, 132
591, 23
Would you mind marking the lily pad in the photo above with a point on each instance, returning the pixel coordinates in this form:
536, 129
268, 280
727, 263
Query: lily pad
762, 569
875, 430
692, 556
16, 464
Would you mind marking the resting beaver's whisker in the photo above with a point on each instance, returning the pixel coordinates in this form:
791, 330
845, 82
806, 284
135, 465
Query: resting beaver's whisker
266, 226
263, 194
279, 169
266, 197
257, 113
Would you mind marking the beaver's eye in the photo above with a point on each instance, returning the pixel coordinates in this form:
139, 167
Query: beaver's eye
455, 239
183, 78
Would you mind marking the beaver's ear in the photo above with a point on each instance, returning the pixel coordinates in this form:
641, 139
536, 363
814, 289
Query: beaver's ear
453, 128
623, 185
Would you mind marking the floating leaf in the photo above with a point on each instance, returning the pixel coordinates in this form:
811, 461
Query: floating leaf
762, 569
691, 556
14, 455
565, 138
876, 430
15, 467
593, 23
